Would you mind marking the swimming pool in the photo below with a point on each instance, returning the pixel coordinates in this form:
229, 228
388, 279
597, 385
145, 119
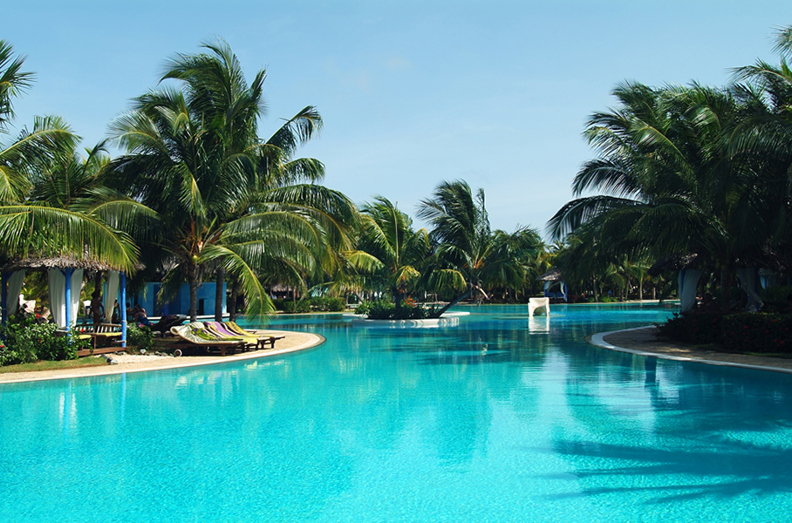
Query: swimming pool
500, 418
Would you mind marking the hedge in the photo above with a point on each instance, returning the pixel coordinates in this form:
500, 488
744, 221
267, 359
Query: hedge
742, 332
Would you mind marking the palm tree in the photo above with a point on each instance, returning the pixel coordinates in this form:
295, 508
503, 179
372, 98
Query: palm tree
227, 198
13, 82
462, 240
764, 139
511, 263
33, 222
671, 183
388, 246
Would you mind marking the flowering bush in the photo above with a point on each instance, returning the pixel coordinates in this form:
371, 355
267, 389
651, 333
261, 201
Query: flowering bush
763, 333
700, 327
27, 340
385, 310
742, 332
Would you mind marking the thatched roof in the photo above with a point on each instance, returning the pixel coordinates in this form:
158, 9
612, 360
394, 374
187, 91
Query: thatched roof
553, 274
56, 262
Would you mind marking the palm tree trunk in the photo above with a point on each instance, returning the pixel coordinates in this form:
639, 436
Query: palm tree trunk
96, 312
233, 299
726, 274
194, 284
454, 302
219, 294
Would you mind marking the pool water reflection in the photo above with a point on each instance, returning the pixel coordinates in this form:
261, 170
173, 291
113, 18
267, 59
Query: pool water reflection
500, 418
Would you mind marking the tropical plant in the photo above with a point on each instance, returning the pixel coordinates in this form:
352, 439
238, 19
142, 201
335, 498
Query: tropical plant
461, 239
511, 265
226, 197
388, 247
671, 184
764, 140
42, 213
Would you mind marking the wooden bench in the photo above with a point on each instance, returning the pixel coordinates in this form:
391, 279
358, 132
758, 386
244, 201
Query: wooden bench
105, 332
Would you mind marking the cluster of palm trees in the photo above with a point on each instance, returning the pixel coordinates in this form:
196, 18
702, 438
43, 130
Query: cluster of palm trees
460, 258
197, 194
695, 172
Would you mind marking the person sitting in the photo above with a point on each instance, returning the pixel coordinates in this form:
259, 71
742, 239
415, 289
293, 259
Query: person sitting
97, 311
139, 315
116, 316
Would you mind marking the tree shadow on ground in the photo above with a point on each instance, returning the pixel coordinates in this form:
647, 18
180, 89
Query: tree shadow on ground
725, 470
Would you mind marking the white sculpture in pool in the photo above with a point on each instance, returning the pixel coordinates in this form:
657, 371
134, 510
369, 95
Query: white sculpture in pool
538, 306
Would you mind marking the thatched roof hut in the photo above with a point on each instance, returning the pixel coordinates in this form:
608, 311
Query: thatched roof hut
553, 274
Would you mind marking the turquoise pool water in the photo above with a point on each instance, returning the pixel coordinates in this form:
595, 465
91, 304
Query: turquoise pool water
500, 418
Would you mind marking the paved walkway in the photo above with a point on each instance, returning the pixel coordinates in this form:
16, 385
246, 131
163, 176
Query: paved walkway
643, 341
293, 341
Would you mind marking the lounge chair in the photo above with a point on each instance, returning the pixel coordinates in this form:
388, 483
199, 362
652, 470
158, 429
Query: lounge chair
230, 329
197, 335
262, 338
166, 322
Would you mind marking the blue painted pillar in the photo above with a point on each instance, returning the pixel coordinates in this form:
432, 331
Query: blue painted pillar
68, 274
122, 284
4, 295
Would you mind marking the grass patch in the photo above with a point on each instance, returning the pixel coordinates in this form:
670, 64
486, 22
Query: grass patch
88, 361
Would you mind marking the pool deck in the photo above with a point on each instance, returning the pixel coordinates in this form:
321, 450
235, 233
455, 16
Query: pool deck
293, 341
643, 341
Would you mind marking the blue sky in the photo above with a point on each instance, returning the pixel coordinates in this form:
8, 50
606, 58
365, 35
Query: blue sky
412, 93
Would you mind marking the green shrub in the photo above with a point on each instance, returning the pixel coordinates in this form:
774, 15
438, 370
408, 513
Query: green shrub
26, 341
768, 333
381, 310
280, 304
327, 304
317, 303
742, 332
363, 308
302, 306
140, 337
701, 327
781, 293
385, 310
777, 306
336, 304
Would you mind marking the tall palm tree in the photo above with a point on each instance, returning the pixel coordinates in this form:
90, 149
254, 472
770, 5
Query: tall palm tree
671, 183
389, 246
32, 221
227, 198
511, 263
764, 139
462, 239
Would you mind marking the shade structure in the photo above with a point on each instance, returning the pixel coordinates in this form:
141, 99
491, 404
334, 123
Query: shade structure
64, 294
110, 294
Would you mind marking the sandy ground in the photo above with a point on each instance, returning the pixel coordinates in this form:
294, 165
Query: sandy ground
644, 341
293, 341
